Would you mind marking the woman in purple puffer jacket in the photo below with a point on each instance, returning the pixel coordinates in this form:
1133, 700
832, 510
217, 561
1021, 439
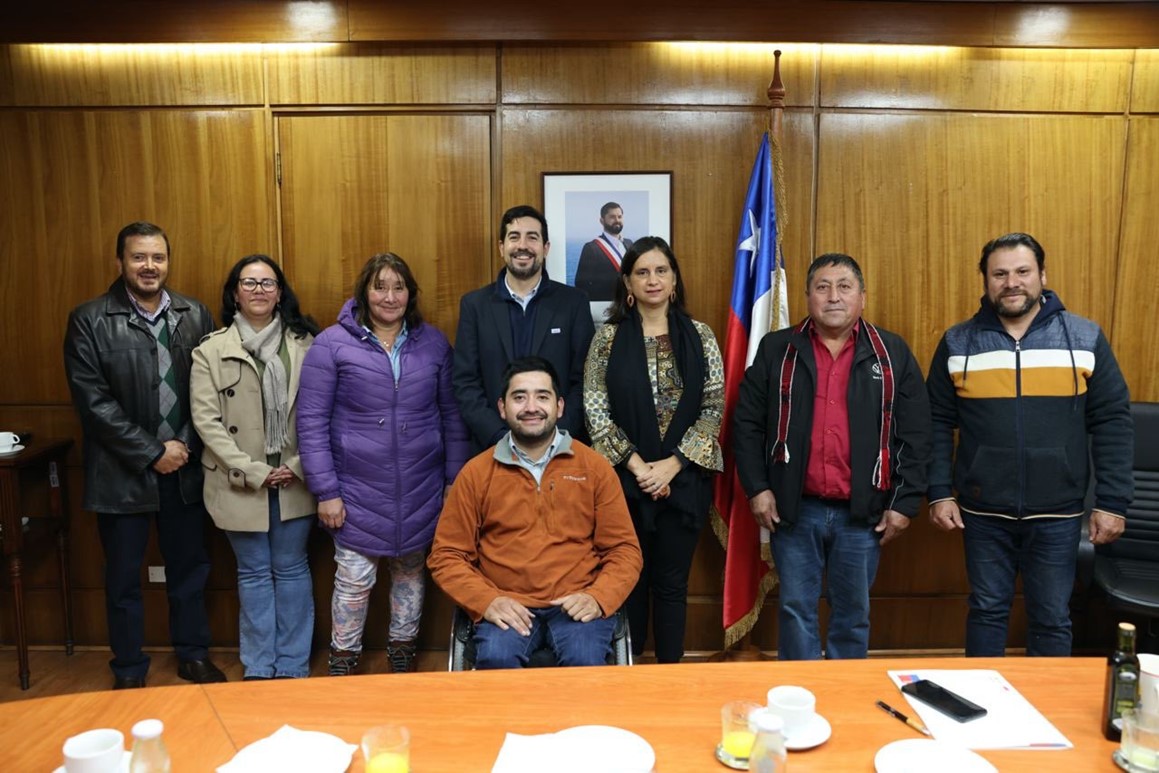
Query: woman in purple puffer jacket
380, 439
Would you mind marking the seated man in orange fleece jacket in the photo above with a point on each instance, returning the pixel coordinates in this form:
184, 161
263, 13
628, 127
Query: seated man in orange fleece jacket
535, 541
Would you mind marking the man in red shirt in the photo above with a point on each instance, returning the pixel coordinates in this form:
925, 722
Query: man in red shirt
832, 437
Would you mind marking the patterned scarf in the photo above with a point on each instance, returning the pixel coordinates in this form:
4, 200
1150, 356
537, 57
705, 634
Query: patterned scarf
882, 468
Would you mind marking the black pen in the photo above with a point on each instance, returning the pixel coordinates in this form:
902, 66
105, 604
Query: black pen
895, 713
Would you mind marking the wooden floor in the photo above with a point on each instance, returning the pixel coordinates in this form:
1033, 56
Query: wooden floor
54, 673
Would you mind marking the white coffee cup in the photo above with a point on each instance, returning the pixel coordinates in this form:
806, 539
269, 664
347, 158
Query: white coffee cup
795, 705
8, 440
1149, 683
94, 751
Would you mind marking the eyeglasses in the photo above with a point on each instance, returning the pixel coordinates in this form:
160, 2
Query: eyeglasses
249, 284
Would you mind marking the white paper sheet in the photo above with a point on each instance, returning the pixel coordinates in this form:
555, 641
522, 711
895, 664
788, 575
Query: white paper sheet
1011, 721
581, 749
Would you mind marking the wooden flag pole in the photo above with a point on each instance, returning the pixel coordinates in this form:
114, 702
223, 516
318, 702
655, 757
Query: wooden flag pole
748, 647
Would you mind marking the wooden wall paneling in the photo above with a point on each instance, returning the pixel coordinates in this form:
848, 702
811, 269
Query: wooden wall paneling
1135, 336
333, 191
115, 76
57, 420
374, 74
440, 207
908, 623
1000, 79
899, 623
707, 568
710, 154
914, 197
47, 176
1145, 85
70, 180
924, 561
655, 74
143, 21
418, 185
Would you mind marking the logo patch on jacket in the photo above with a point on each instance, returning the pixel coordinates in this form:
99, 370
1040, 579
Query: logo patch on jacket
577, 478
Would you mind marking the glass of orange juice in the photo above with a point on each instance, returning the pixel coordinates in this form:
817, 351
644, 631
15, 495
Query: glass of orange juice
386, 749
736, 739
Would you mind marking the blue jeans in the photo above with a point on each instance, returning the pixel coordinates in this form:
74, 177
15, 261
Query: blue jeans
574, 643
1045, 551
276, 615
824, 543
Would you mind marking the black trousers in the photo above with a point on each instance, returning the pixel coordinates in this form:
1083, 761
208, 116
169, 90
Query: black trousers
663, 586
181, 537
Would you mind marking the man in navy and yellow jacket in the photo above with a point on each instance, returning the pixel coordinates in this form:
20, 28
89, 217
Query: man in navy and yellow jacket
1036, 395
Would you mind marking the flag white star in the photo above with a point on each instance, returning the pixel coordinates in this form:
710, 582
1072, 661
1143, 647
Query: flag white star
753, 241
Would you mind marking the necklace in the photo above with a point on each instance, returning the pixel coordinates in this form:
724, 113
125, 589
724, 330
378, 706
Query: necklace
387, 341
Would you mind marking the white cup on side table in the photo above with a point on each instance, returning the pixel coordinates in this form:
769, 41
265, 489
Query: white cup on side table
8, 441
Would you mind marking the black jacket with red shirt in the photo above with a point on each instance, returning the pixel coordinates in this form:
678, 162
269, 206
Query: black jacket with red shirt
757, 412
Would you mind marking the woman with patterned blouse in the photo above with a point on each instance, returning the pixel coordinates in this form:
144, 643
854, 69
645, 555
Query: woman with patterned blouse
653, 396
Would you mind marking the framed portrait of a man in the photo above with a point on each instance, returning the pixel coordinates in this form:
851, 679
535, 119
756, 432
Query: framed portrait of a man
593, 218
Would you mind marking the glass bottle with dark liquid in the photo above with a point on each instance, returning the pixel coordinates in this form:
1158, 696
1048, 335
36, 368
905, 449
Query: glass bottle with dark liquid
1122, 691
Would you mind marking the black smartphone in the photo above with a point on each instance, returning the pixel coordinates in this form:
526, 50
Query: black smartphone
949, 703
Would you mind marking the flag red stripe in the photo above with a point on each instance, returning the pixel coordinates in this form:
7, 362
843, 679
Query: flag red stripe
744, 567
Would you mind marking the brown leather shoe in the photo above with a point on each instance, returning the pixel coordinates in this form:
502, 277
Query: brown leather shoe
200, 671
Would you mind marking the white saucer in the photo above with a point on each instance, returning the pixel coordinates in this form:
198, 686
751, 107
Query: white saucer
815, 733
12, 450
123, 769
919, 755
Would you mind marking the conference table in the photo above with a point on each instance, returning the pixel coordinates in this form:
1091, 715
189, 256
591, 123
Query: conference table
458, 720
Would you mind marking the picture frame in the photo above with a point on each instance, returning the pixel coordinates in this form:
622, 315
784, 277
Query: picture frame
573, 203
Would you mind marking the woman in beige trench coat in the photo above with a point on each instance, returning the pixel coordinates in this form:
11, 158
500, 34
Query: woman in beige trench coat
243, 388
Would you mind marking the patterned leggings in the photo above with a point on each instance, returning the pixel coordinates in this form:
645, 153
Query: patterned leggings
353, 581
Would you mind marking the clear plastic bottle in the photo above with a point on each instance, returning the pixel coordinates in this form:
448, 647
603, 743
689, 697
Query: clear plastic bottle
768, 754
149, 752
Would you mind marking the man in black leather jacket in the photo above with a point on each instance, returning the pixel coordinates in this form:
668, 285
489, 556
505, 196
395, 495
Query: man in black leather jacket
127, 355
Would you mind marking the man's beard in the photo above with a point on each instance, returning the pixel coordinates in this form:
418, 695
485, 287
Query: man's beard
1006, 311
531, 438
615, 228
524, 273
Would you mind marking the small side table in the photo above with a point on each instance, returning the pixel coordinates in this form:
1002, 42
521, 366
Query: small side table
39, 457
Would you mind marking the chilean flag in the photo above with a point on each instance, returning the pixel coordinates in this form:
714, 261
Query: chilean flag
759, 304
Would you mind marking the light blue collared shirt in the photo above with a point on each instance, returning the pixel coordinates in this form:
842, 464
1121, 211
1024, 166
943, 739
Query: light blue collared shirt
395, 351
535, 467
523, 300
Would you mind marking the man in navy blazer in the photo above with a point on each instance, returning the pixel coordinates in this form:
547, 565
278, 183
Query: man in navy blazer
522, 313
599, 264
